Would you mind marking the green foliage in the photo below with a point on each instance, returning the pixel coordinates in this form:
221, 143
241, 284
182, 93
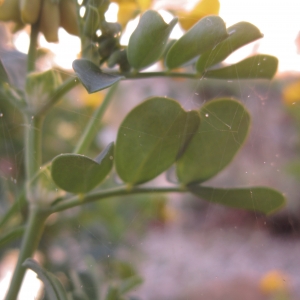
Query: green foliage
148, 41
92, 78
224, 128
79, 174
257, 66
151, 137
154, 136
203, 36
240, 34
262, 199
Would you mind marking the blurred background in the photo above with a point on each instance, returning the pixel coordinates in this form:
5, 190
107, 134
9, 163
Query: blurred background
181, 246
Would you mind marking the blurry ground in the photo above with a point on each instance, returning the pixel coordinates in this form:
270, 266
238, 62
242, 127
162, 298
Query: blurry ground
215, 261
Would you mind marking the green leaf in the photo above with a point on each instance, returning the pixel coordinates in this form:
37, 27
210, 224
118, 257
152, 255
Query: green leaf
79, 174
262, 199
258, 66
151, 138
224, 128
3, 74
53, 287
92, 78
203, 36
148, 41
240, 34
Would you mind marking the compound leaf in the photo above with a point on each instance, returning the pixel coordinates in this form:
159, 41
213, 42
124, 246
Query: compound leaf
224, 128
262, 199
151, 137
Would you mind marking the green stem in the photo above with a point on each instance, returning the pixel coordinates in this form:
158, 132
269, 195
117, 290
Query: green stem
92, 126
32, 236
33, 157
143, 75
103, 194
67, 85
32, 47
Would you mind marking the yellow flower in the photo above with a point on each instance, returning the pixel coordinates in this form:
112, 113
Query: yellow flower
291, 93
129, 9
274, 282
203, 8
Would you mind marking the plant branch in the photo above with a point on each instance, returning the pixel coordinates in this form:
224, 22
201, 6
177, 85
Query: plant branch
143, 75
31, 58
33, 157
64, 88
93, 125
33, 233
103, 194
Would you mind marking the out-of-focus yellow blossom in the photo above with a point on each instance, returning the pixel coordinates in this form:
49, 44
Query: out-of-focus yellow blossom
144, 4
168, 214
274, 282
91, 100
203, 8
128, 9
291, 93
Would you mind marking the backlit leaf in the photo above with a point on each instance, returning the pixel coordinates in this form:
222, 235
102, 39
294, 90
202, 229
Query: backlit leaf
240, 34
260, 66
79, 174
203, 36
151, 137
224, 128
261, 199
92, 78
148, 41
